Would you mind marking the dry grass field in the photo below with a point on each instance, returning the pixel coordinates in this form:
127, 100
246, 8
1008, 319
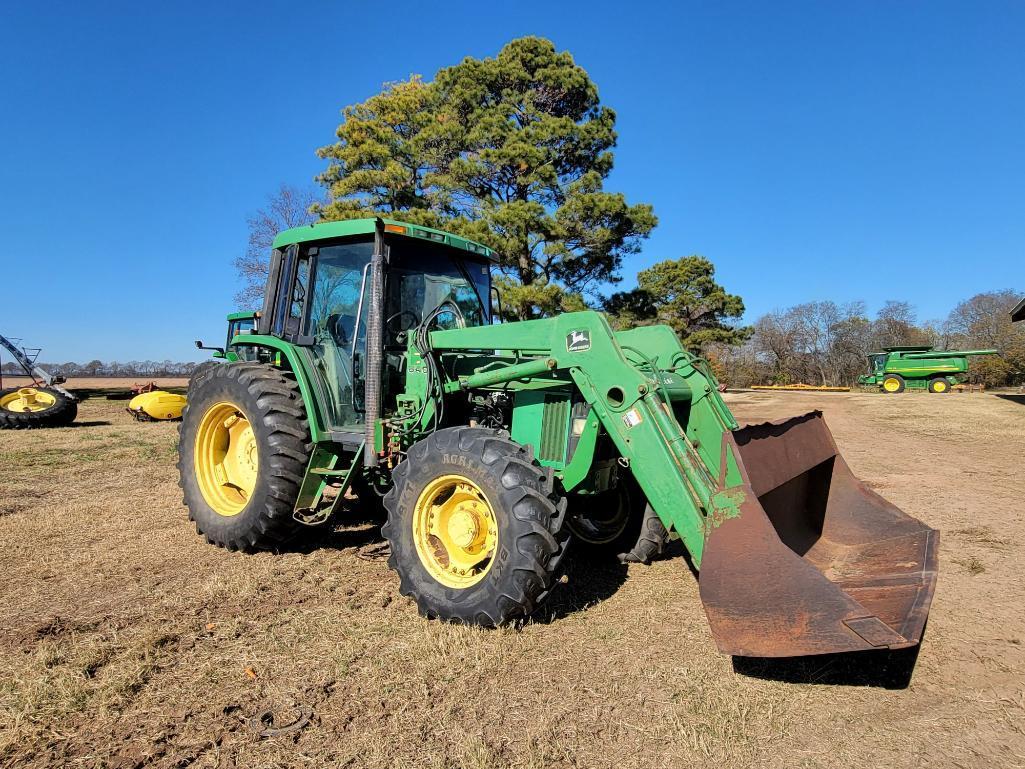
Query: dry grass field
104, 382
126, 641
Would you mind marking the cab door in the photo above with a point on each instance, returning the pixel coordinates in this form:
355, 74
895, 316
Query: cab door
336, 306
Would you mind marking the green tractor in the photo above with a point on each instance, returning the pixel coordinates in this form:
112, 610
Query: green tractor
378, 363
897, 369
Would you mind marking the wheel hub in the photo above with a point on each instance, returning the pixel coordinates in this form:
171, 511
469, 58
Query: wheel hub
463, 528
226, 458
455, 531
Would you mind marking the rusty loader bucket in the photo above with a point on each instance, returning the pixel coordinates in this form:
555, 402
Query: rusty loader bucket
815, 562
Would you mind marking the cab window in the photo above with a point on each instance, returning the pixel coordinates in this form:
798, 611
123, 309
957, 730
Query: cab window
423, 277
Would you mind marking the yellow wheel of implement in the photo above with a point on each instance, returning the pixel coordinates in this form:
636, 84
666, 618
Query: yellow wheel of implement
27, 399
226, 458
455, 531
939, 385
26, 408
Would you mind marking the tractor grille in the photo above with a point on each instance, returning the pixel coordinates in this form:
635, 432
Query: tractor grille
554, 424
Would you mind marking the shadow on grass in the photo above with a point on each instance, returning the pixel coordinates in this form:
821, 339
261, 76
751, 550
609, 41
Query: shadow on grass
1018, 398
883, 669
355, 535
353, 526
587, 581
91, 423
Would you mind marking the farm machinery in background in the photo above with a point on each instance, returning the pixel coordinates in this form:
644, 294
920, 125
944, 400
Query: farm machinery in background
897, 369
150, 404
43, 403
376, 364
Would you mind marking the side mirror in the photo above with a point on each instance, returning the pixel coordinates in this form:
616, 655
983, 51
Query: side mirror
201, 346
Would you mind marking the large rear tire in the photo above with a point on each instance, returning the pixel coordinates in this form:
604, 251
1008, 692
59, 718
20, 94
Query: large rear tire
27, 408
243, 449
475, 527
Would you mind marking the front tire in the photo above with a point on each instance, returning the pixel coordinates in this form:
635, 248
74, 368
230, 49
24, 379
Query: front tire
475, 527
892, 383
243, 449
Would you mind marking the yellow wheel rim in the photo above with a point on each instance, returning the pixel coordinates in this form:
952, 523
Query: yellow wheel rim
940, 386
27, 399
226, 458
891, 385
455, 531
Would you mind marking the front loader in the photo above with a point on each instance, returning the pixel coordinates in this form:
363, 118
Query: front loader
376, 364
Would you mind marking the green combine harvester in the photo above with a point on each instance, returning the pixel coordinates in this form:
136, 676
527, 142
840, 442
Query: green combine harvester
377, 364
897, 369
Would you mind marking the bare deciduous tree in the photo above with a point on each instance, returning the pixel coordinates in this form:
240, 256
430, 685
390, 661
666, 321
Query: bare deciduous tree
288, 207
896, 324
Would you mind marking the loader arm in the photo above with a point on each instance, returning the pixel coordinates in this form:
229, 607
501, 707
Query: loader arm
635, 382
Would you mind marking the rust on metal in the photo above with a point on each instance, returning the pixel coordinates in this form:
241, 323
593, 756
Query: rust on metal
815, 562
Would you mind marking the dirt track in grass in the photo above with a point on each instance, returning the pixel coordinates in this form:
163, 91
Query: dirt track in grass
126, 641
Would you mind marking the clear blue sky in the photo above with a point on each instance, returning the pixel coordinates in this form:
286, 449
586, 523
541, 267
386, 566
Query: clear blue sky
812, 150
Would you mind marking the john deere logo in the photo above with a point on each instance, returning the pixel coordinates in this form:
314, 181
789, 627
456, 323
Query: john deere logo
578, 341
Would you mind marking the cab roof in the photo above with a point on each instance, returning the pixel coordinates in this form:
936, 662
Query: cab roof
1018, 313
367, 226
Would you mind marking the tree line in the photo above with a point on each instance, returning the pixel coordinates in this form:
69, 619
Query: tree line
825, 343
96, 368
821, 343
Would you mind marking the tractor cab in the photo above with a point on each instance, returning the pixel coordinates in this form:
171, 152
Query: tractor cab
319, 301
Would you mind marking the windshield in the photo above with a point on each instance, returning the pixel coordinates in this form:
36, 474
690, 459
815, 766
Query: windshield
422, 276
877, 362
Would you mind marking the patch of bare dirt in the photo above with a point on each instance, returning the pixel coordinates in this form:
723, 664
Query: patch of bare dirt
126, 641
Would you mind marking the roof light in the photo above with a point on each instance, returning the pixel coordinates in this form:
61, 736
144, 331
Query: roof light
435, 236
395, 228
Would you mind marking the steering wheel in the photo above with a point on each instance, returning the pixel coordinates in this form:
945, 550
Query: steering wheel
448, 307
398, 317
340, 327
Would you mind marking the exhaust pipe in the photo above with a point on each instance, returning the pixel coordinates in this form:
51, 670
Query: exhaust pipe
375, 348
